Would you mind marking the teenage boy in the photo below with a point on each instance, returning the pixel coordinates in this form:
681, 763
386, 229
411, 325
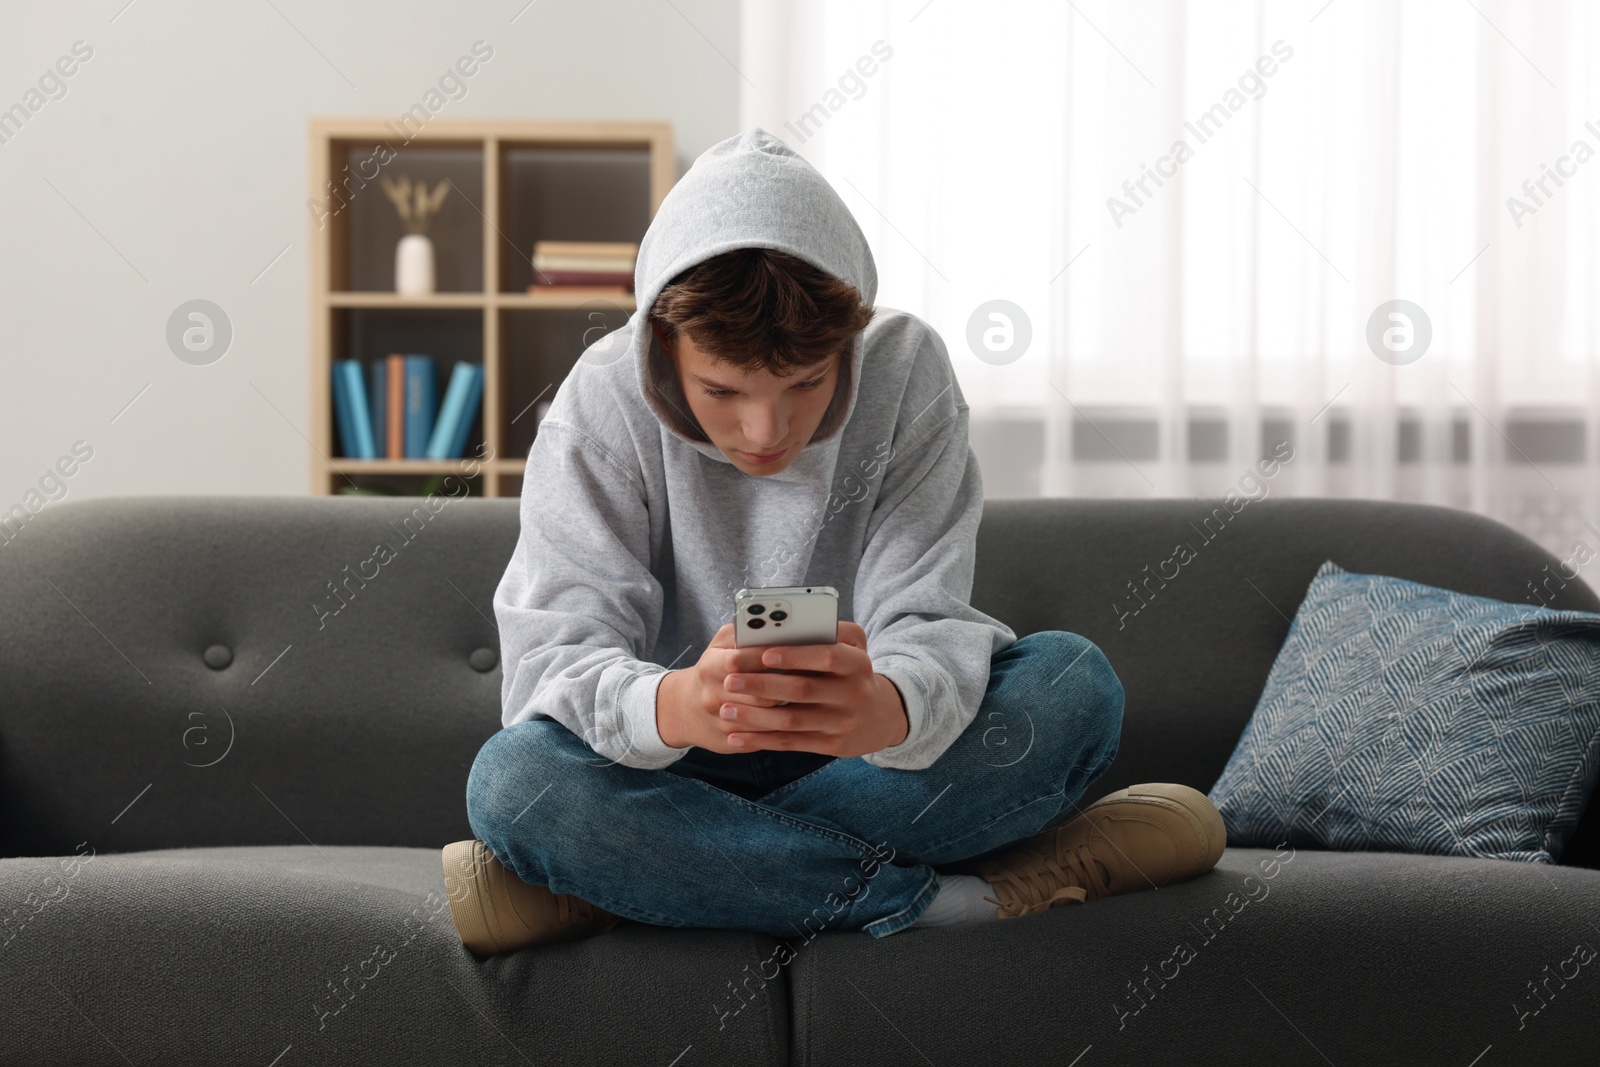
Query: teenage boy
758, 422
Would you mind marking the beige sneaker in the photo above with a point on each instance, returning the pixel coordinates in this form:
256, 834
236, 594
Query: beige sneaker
1141, 837
495, 911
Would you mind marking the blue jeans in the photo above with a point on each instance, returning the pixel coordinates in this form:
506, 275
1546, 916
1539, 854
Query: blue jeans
780, 841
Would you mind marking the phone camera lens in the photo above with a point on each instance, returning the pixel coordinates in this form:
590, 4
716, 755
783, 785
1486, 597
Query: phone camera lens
778, 616
756, 624
756, 609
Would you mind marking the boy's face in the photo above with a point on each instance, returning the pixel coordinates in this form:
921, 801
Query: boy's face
750, 414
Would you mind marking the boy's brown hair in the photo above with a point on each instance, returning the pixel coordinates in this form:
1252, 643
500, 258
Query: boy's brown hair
756, 308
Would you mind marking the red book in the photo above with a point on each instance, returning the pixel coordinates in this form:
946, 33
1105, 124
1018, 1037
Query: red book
395, 379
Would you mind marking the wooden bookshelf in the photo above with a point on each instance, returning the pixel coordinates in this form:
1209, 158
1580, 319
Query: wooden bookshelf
513, 182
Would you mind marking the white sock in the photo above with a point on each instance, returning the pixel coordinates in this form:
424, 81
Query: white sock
960, 900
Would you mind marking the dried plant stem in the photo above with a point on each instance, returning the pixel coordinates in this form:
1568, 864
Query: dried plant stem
415, 204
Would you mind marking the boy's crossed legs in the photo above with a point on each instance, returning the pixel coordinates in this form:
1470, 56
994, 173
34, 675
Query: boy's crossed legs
849, 846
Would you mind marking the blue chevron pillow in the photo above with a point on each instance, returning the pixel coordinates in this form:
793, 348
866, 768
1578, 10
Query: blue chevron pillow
1403, 718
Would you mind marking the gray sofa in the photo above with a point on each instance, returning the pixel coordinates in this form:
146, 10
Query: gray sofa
223, 791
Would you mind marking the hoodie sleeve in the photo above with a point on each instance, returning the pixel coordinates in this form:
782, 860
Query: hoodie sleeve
915, 581
578, 605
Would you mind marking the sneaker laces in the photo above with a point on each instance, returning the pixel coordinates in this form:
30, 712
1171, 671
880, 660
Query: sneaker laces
575, 911
572, 910
1033, 881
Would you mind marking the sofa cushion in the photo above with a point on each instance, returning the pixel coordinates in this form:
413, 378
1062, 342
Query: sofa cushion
344, 954
1407, 718
1366, 958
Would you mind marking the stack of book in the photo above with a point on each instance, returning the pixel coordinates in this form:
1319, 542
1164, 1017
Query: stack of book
397, 415
588, 263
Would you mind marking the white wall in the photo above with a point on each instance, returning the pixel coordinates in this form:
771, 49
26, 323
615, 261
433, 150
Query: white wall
174, 168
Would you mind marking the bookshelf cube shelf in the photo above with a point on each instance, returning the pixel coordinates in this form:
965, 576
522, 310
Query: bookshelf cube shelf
511, 183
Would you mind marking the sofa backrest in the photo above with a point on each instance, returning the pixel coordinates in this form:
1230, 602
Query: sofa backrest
178, 671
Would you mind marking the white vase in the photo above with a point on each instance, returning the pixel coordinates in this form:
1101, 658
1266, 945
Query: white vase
413, 265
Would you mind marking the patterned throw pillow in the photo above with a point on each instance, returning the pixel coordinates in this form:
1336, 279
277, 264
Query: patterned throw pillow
1403, 718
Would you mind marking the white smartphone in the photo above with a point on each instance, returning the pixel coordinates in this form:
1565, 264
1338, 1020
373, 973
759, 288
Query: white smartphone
786, 615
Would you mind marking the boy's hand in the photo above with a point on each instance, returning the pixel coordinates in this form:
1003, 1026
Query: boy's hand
733, 699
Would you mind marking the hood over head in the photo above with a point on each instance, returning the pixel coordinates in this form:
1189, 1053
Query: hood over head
749, 191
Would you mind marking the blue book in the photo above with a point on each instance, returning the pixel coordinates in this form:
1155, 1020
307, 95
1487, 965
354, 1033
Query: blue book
422, 399
450, 411
378, 401
469, 413
343, 418
361, 415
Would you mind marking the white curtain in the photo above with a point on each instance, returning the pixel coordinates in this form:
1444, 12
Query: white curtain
1192, 305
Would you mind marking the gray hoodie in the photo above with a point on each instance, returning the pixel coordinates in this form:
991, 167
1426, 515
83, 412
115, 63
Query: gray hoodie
634, 538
